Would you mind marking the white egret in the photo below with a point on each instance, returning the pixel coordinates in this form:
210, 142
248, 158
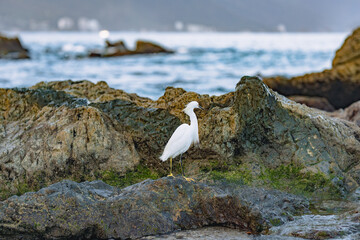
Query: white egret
183, 137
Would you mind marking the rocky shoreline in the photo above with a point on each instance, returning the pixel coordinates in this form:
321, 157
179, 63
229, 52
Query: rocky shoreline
50, 134
252, 137
80, 160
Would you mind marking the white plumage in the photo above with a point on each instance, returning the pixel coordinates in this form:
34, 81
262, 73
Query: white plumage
184, 135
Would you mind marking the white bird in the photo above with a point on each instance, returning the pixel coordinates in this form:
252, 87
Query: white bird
183, 137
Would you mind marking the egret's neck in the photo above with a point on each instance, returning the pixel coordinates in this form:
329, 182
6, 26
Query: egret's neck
194, 129
193, 119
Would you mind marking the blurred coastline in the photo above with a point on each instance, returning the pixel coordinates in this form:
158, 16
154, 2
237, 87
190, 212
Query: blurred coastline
205, 62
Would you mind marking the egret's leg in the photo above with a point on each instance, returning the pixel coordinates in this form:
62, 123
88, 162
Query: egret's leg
182, 171
170, 175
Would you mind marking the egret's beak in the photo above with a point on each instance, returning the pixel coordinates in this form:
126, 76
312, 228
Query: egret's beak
201, 107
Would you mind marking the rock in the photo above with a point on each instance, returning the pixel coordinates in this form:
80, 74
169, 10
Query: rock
349, 51
266, 131
330, 219
150, 128
216, 233
99, 92
314, 102
351, 113
279, 132
47, 136
82, 130
119, 48
321, 227
119, 44
339, 85
210, 233
116, 49
92, 210
11, 48
144, 47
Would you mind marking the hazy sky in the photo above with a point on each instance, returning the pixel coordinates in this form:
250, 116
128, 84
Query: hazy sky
185, 15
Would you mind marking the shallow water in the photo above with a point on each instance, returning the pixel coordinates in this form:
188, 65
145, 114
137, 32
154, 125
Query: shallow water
210, 63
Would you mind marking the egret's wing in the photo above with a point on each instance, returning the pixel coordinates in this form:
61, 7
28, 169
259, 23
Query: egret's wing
176, 136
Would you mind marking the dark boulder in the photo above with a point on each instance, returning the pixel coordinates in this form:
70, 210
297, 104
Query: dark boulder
91, 210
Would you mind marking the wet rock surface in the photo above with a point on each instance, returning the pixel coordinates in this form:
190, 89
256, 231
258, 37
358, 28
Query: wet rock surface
118, 49
96, 210
11, 48
216, 233
339, 85
211, 233
344, 226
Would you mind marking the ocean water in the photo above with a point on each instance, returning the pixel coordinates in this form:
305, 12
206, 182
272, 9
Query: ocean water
208, 63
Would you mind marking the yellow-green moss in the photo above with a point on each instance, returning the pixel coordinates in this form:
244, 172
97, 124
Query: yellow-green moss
275, 222
21, 188
236, 174
131, 177
287, 178
112, 178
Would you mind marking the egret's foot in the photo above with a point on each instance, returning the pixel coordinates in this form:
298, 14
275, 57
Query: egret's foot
170, 175
189, 179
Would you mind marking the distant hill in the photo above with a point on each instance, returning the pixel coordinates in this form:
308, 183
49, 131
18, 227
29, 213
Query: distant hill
193, 15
